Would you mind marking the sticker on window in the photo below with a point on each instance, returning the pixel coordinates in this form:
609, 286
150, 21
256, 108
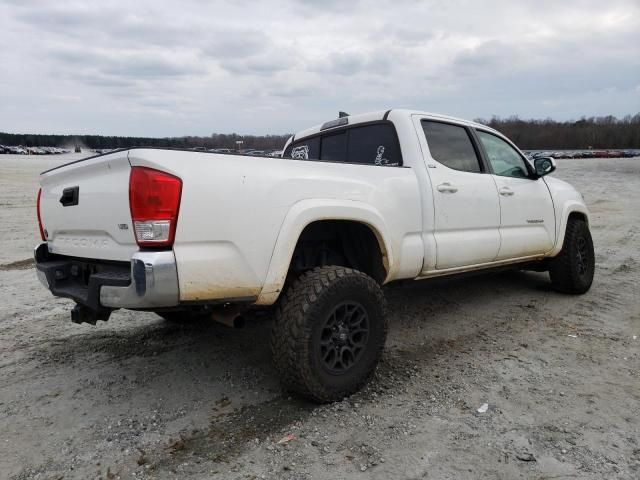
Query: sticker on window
380, 160
300, 152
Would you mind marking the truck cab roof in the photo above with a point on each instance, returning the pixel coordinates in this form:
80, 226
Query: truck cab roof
378, 116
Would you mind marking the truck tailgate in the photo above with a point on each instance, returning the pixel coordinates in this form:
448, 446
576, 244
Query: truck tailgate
84, 207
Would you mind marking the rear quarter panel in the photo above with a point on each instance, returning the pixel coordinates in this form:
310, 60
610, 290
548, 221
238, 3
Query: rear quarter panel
233, 209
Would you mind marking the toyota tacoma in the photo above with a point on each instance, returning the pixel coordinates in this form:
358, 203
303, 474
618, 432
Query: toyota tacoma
352, 204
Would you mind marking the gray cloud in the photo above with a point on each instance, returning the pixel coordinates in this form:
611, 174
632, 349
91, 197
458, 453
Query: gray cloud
121, 69
104, 81
253, 66
155, 67
486, 56
238, 43
291, 91
142, 66
56, 17
348, 63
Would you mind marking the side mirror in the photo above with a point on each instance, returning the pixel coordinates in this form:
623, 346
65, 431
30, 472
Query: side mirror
544, 166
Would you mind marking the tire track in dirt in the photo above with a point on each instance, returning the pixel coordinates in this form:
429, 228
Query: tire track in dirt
25, 264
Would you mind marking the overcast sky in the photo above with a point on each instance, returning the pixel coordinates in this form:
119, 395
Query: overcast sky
194, 67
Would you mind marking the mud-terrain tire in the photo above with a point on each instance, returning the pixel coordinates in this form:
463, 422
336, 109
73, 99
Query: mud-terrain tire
329, 332
572, 270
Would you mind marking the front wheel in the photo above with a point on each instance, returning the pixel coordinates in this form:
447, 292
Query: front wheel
572, 270
329, 332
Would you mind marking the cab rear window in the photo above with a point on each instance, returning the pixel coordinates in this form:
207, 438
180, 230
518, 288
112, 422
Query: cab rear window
373, 144
333, 148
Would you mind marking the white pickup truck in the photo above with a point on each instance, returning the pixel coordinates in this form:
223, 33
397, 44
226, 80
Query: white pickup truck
354, 204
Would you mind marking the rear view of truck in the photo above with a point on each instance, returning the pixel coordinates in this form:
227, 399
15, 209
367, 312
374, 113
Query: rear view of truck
107, 230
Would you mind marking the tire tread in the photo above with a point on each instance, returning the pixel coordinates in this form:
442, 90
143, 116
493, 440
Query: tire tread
562, 273
292, 328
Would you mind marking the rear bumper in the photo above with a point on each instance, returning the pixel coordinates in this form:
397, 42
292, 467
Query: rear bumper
149, 281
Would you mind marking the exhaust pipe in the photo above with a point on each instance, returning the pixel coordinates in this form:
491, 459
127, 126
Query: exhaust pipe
230, 316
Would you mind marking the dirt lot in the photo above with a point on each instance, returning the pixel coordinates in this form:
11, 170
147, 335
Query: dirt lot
137, 397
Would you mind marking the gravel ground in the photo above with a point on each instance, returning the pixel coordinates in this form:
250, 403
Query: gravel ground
137, 397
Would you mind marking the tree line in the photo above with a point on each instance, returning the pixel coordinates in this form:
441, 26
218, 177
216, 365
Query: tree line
216, 140
593, 132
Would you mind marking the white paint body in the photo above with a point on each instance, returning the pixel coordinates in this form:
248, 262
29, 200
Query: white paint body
241, 216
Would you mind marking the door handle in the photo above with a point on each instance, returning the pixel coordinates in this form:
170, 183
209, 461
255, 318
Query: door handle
446, 187
506, 192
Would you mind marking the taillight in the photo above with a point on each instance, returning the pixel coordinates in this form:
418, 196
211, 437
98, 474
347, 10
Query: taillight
154, 200
42, 235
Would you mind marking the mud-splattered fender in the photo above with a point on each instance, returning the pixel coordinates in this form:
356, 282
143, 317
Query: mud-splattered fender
308, 211
566, 200
567, 209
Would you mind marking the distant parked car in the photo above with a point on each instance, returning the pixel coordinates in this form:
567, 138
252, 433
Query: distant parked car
3, 149
17, 150
220, 150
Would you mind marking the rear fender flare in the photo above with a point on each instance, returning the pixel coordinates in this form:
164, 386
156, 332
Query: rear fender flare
306, 212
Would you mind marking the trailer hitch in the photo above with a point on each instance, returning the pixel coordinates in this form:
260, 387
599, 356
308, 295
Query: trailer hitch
83, 314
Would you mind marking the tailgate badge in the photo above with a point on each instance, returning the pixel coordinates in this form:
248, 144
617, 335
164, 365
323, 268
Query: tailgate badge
123, 226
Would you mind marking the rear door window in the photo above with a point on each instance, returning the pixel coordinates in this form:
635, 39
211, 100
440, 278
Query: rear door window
374, 144
451, 146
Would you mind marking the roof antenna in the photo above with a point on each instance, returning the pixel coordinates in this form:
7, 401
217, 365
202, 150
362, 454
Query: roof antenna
342, 114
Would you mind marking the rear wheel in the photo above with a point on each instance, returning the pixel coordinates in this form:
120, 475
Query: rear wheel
572, 270
329, 333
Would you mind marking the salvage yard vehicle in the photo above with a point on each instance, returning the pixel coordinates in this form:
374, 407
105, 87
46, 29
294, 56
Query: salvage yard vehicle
353, 204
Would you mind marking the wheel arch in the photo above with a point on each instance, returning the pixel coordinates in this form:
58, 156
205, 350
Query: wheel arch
304, 215
571, 210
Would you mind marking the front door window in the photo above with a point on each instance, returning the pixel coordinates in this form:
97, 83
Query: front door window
504, 159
